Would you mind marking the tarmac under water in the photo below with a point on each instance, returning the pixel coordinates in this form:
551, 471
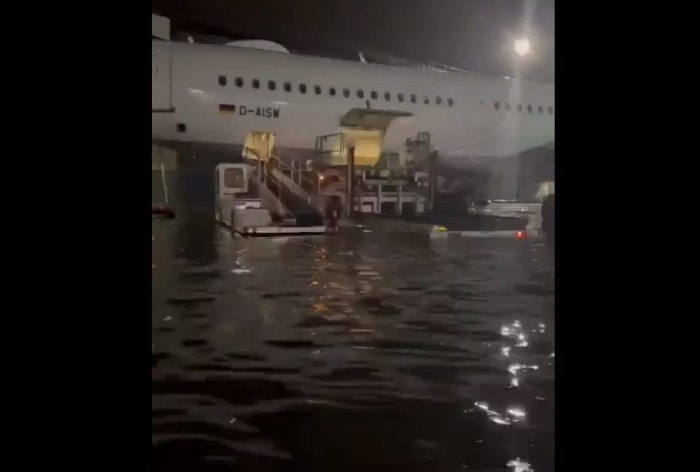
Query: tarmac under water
357, 352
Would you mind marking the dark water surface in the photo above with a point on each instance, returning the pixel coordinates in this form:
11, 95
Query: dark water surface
364, 352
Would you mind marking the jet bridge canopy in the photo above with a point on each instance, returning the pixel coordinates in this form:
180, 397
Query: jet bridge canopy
371, 118
364, 130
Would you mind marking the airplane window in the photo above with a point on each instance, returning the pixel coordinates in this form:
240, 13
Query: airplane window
287, 87
540, 110
438, 100
426, 100
550, 110
529, 108
520, 107
400, 97
317, 89
387, 96
332, 91
256, 84
413, 98
360, 94
239, 82
346, 92
450, 102
222, 80
302, 88
507, 106
496, 105
271, 85
373, 95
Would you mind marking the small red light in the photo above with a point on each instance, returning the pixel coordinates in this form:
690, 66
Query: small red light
520, 234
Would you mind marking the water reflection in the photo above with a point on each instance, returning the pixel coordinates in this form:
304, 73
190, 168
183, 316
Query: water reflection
350, 353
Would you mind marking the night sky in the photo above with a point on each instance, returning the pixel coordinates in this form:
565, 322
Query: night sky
469, 34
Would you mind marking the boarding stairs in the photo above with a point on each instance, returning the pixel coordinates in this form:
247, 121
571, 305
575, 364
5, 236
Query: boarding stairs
286, 183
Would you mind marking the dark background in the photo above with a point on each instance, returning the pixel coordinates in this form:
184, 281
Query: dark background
475, 35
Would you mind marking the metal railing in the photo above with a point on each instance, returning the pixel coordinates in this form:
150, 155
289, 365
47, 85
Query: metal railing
307, 180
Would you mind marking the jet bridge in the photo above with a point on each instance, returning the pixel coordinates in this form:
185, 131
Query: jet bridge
364, 128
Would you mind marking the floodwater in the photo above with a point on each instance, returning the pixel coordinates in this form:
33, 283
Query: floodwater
361, 352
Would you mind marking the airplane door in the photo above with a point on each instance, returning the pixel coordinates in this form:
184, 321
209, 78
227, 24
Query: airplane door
160, 79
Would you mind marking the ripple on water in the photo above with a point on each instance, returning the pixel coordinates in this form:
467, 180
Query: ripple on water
351, 353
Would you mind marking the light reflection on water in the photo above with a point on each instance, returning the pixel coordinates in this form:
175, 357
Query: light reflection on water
361, 352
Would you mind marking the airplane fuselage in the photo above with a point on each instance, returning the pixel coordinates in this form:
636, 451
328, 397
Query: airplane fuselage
218, 94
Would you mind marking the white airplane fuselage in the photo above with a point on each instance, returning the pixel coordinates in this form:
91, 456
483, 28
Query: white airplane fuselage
218, 94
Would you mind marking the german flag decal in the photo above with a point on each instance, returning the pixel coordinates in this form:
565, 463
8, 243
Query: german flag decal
224, 108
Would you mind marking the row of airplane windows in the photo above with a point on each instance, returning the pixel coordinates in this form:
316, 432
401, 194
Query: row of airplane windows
530, 108
272, 85
287, 86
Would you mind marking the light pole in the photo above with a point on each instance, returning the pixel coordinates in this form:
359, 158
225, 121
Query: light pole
522, 49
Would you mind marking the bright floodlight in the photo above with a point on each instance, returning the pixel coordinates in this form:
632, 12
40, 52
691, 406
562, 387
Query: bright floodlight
522, 47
